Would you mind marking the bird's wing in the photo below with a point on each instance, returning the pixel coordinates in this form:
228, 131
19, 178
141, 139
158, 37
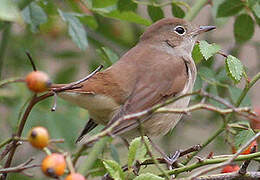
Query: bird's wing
154, 84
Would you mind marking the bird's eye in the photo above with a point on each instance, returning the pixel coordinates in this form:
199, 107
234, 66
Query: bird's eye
180, 30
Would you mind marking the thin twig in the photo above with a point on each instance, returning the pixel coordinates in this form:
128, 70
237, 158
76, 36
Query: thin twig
20, 167
31, 60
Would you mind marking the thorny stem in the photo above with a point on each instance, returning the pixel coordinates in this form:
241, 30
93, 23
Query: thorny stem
214, 160
233, 157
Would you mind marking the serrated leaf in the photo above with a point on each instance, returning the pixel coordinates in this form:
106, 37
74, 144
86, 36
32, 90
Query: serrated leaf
137, 151
155, 13
243, 137
235, 93
148, 176
9, 11
234, 68
208, 50
34, 15
114, 169
243, 28
126, 5
230, 8
129, 16
177, 11
76, 29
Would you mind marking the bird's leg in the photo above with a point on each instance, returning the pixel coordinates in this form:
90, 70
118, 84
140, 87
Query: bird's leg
170, 160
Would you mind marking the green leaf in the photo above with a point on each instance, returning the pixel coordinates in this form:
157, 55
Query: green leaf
113, 57
126, 5
196, 54
243, 137
256, 12
34, 15
114, 169
155, 13
148, 176
256, 9
137, 150
90, 21
76, 29
108, 56
208, 50
207, 74
103, 3
114, 153
234, 68
177, 11
235, 94
230, 8
243, 28
9, 11
127, 16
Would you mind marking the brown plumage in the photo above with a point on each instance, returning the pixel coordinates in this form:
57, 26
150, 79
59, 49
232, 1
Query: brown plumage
157, 68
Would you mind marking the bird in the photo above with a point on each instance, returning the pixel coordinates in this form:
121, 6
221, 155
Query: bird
158, 67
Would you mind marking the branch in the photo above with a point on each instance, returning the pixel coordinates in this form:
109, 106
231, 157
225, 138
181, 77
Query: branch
213, 160
20, 167
206, 107
230, 176
211, 168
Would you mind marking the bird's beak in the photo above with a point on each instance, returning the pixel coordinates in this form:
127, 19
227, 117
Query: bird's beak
203, 29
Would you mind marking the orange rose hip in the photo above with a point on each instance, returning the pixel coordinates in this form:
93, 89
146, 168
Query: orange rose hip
38, 81
38, 137
53, 165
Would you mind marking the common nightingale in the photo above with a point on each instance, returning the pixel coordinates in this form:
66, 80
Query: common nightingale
157, 68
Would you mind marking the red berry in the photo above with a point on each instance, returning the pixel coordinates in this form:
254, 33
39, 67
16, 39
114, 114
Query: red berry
230, 168
248, 149
75, 176
53, 165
